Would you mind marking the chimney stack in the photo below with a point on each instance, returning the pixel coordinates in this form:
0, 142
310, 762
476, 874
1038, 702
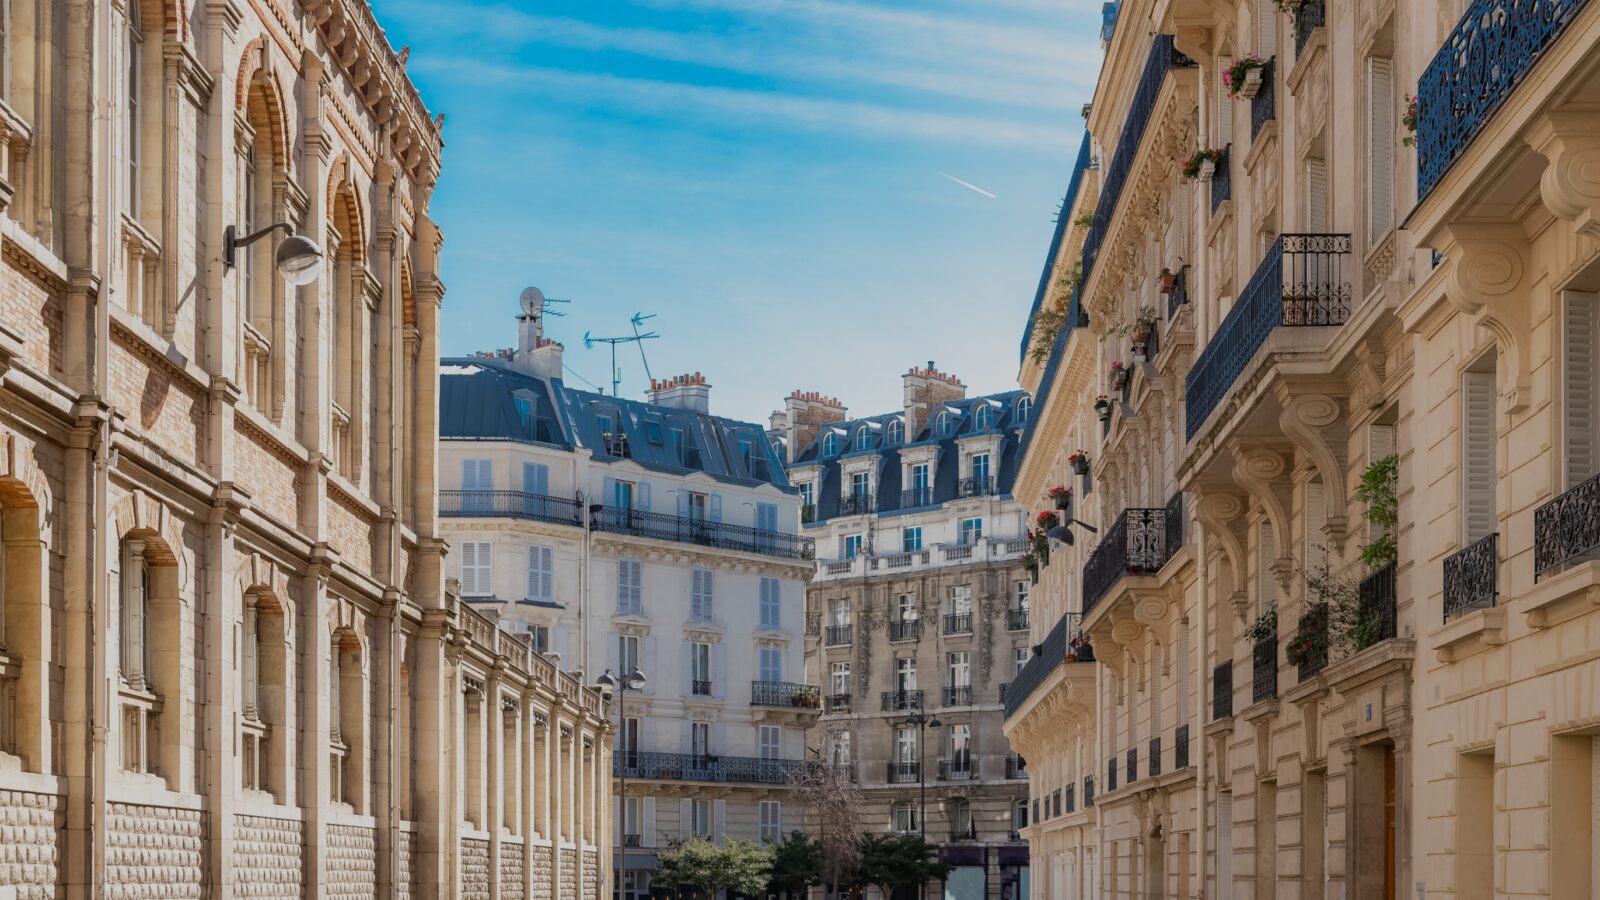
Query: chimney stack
686, 392
925, 389
534, 355
807, 412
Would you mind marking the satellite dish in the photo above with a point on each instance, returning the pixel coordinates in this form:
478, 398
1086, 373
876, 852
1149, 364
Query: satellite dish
532, 301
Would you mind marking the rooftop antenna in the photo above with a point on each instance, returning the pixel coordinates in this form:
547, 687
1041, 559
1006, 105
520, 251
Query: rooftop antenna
637, 320
535, 303
636, 338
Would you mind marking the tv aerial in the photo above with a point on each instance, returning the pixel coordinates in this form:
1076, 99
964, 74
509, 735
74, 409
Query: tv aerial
536, 304
638, 337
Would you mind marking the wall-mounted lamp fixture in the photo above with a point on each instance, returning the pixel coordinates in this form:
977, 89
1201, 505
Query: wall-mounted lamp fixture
298, 259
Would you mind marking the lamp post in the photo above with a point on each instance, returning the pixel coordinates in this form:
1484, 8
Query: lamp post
622, 684
920, 720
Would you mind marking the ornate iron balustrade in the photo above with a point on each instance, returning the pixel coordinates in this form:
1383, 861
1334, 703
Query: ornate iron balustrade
1264, 669
1222, 691
1311, 15
785, 693
700, 688
1179, 295
958, 768
1016, 620
1491, 50
1132, 774
976, 487
958, 696
856, 505
969, 834
1111, 774
1139, 543
1300, 282
1472, 577
903, 773
1378, 602
1163, 57
905, 631
1072, 798
1180, 747
1222, 179
686, 529
1003, 686
916, 497
692, 767
1088, 791
958, 623
837, 634
895, 701
837, 703
509, 505
1016, 767
632, 841
1263, 106
1567, 528
1052, 653
1154, 760
1313, 635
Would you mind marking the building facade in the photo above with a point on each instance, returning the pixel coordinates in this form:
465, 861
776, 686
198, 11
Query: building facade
619, 534
1318, 357
229, 664
919, 567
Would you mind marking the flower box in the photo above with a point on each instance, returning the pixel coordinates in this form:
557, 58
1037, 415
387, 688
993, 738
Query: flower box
1242, 77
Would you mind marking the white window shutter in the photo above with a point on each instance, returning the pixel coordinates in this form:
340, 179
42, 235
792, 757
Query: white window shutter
686, 673
614, 653
1266, 28
1581, 367
644, 496
1477, 445
685, 817
719, 820
1224, 117
1316, 194
1268, 551
719, 680
649, 651
647, 828
541, 577
1380, 147
1316, 517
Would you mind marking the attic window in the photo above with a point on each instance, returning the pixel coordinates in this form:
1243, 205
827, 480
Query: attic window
830, 444
947, 424
982, 417
895, 433
652, 433
863, 438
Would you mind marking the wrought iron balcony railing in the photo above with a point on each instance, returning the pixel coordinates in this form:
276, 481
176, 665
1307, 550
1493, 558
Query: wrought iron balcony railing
895, 701
1180, 747
1016, 767
958, 623
697, 767
904, 773
1378, 602
1263, 106
1311, 15
958, 768
1114, 177
1567, 529
1471, 577
700, 688
916, 497
785, 693
1016, 620
837, 703
1492, 49
690, 530
958, 695
856, 504
982, 486
1153, 761
970, 833
1003, 686
1222, 691
1222, 179
1139, 543
1064, 644
813, 623
632, 841
1313, 639
1071, 798
1179, 295
837, 634
1299, 283
1264, 669
509, 505
905, 631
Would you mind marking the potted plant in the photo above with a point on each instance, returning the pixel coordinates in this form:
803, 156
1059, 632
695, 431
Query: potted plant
1102, 407
1119, 374
1202, 164
1079, 460
1080, 650
1409, 120
1309, 643
1242, 77
1046, 521
1061, 496
1169, 280
808, 697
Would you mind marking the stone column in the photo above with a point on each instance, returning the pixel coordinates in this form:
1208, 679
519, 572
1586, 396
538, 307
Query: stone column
431, 684
494, 772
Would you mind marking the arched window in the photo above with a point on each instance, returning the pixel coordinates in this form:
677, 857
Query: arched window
260, 204
982, 416
961, 824
895, 433
135, 97
345, 246
830, 444
1024, 409
864, 437
24, 615
945, 424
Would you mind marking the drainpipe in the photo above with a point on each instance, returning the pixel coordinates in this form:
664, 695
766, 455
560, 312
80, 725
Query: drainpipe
1199, 715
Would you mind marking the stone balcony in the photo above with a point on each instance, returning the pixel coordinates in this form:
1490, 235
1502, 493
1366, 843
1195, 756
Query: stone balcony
1126, 568
935, 556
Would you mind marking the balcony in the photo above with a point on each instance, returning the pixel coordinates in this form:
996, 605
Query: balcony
1003, 686
958, 553
1180, 747
1264, 669
916, 497
957, 768
688, 530
1311, 15
896, 701
632, 841
1300, 283
1378, 602
970, 833
856, 505
1017, 768
1471, 577
836, 703
1263, 106
700, 688
1063, 645
1313, 637
700, 768
1016, 620
1567, 529
1222, 691
837, 635
1222, 180
981, 486
905, 631
904, 773
508, 505
1179, 295
785, 694
1153, 761
1139, 543
958, 696
958, 623
1163, 57
1491, 50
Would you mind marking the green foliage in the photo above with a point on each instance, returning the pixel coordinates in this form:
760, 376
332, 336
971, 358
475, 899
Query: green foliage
1085, 219
796, 865
889, 860
1379, 490
741, 866
1046, 325
1265, 626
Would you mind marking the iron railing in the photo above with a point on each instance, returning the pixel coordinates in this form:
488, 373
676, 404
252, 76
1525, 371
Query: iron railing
1153, 761
958, 623
1222, 179
632, 841
1179, 295
837, 703
509, 505
905, 631
837, 634
1111, 774
1139, 543
976, 487
1471, 577
700, 688
903, 773
958, 696
1052, 652
1114, 177
695, 767
1180, 747
1088, 791
1492, 49
1311, 15
916, 497
856, 504
895, 701
958, 768
1264, 668
1222, 691
785, 693
1003, 686
1016, 620
1378, 602
1312, 637
813, 623
1300, 282
1567, 528
1132, 774
1263, 106
970, 833
689, 530
1072, 798
1016, 767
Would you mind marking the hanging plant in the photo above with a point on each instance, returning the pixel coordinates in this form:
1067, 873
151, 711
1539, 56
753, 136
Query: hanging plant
1265, 627
1061, 497
1169, 280
1047, 520
1242, 77
1079, 460
1119, 374
1102, 408
1409, 120
1202, 163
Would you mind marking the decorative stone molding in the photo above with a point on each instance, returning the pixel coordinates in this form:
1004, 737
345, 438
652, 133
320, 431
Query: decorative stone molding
1220, 513
1570, 186
1255, 469
1489, 266
1309, 419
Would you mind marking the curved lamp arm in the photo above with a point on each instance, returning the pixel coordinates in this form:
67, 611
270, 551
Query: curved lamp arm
231, 242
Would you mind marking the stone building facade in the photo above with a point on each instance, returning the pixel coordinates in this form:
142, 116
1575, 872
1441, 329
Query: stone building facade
229, 662
1343, 475
918, 612
615, 534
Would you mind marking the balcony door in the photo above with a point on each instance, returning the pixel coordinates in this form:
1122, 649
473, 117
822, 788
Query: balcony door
535, 489
477, 481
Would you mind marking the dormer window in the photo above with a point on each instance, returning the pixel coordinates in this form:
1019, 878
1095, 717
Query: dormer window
1024, 408
895, 434
945, 424
982, 417
830, 444
864, 438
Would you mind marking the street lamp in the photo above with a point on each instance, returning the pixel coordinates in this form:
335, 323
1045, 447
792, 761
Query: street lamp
915, 719
1064, 535
298, 258
635, 680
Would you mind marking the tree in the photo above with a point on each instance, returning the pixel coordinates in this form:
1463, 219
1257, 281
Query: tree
890, 860
796, 865
741, 866
834, 804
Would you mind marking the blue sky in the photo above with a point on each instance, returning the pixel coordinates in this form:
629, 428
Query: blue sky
769, 177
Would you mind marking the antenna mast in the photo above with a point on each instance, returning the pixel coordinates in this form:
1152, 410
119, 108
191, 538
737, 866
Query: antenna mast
636, 338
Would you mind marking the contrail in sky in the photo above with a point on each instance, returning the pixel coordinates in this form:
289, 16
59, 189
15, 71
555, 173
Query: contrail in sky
970, 186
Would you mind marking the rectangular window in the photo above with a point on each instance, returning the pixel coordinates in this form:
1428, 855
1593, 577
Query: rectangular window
770, 660
771, 822
477, 568
771, 604
769, 742
1021, 595
960, 669
839, 679
1380, 147
905, 817
971, 531
911, 538
905, 745
861, 485
1020, 657
980, 469
541, 573
700, 739
1316, 196
961, 745
905, 608
700, 667
744, 454
700, 595
1580, 367
622, 494
919, 483
852, 546
839, 612
700, 813
961, 599
477, 481
905, 673
698, 504
541, 638
628, 653
808, 494
629, 594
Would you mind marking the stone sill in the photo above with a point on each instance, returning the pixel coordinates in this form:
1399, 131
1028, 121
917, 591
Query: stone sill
1579, 585
1303, 61
12, 778
1481, 628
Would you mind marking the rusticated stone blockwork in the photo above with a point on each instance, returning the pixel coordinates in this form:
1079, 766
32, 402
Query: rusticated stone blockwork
474, 869
154, 853
541, 873
569, 865
352, 863
29, 856
591, 873
511, 870
403, 875
267, 857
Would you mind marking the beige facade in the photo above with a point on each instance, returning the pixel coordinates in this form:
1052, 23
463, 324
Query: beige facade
229, 663
1355, 721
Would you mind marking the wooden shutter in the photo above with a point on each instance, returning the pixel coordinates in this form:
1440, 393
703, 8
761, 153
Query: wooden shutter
1224, 117
1477, 446
643, 499
536, 478
541, 577
1580, 368
1266, 28
1380, 147
1316, 517
477, 572
1316, 191
700, 594
1266, 553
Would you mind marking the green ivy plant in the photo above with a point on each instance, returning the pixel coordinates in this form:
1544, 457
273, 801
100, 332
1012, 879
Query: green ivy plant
1379, 490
